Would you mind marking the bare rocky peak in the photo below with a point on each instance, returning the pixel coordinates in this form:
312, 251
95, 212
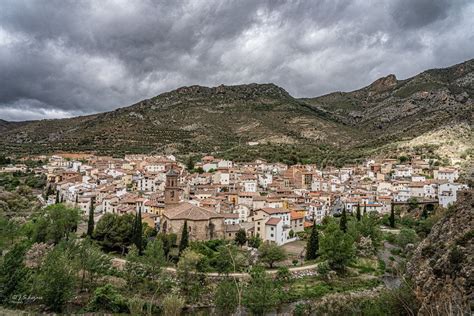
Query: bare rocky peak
384, 83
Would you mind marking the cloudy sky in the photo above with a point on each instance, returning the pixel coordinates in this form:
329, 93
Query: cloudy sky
60, 58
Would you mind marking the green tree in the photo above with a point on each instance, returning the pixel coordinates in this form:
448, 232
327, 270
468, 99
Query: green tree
254, 241
91, 261
135, 272
392, 216
90, 222
343, 220
358, 215
241, 237
13, 273
9, 231
260, 295
365, 209
138, 232
55, 223
57, 198
154, 257
189, 272
312, 245
403, 159
227, 298
190, 163
336, 247
367, 227
168, 241
184, 243
56, 280
114, 232
228, 259
271, 253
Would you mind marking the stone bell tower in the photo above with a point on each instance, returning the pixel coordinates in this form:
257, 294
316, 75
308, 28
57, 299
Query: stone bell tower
171, 188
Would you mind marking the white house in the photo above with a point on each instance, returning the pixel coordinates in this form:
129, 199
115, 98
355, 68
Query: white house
250, 185
264, 180
446, 174
272, 224
447, 193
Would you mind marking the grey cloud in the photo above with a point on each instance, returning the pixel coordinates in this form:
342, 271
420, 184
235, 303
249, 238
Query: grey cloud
81, 57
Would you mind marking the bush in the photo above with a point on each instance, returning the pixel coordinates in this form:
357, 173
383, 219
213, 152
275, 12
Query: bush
107, 299
172, 305
283, 274
406, 236
323, 268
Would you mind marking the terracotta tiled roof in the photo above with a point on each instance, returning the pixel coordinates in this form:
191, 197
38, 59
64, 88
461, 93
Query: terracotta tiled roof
297, 215
273, 221
270, 210
188, 211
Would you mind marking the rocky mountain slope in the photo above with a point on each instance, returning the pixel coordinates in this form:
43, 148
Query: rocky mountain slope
403, 109
196, 119
225, 118
442, 265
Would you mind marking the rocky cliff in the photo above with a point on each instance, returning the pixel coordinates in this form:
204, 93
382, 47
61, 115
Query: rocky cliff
442, 267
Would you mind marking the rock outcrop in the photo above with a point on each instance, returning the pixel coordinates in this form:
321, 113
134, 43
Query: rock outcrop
442, 266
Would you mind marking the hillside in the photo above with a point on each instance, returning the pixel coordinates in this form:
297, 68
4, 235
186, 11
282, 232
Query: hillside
225, 119
441, 266
189, 119
402, 109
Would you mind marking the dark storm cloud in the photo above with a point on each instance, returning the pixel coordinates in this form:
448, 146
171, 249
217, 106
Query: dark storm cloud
61, 58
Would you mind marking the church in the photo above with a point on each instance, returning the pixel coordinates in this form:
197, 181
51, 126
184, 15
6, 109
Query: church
203, 223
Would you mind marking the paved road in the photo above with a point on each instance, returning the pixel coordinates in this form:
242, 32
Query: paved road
121, 262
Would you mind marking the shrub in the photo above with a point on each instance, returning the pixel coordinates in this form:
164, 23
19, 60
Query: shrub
107, 299
406, 236
172, 305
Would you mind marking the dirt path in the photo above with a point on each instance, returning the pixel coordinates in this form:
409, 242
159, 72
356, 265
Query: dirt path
120, 263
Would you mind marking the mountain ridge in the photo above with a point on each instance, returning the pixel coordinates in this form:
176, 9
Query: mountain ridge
198, 119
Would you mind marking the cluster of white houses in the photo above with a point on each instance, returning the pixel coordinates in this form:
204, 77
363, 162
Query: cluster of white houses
270, 200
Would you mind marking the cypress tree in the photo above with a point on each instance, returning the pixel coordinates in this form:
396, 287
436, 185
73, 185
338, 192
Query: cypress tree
392, 217
90, 222
312, 246
365, 209
358, 212
138, 232
343, 222
184, 238
57, 198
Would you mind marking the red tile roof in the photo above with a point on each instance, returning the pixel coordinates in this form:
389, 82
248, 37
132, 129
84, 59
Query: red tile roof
273, 221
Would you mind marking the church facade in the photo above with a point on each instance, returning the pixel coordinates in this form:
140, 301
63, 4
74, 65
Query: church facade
203, 223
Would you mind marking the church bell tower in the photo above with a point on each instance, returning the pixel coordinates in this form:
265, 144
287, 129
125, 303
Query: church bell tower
171, 188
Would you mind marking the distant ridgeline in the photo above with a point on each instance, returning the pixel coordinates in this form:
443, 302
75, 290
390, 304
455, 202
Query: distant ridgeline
244, 122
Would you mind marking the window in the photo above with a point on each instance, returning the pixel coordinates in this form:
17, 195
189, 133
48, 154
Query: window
271, 235
272, 228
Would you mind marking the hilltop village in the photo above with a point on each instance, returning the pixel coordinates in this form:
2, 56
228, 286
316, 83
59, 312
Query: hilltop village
217, 198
